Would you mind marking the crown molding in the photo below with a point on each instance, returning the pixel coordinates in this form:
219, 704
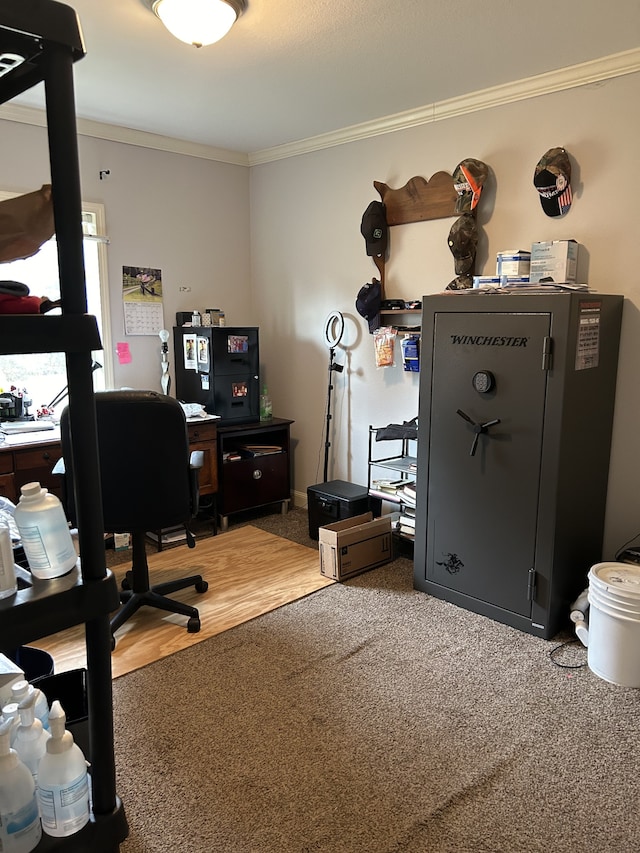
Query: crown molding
128, 136
586, 73
595, 71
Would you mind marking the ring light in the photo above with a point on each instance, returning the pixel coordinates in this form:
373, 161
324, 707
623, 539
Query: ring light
333, 329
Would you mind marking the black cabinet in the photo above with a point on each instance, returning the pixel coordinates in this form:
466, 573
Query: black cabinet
45, 39
254, 466
516, 407
218, 367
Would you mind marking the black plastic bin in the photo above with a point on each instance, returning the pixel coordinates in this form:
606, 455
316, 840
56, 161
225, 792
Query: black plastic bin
70, 688
335, 500
35, 663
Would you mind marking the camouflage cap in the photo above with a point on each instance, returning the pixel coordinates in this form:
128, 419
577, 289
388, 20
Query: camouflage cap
463, 241
468, 179
374, 229
552, 179
461, 282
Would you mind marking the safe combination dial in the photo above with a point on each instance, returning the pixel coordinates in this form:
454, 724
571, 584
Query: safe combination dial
484, 381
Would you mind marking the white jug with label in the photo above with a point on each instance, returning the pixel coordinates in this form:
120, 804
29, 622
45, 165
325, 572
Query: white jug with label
44, 533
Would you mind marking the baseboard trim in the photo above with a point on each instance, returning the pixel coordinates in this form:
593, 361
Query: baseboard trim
299, 500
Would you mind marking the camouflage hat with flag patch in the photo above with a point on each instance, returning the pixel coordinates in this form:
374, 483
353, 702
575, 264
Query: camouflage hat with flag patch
468, 179
552, 179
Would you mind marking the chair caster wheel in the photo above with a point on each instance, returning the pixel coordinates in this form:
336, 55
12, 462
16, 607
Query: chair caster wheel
113, 643
126, 581
193, 625
202, 586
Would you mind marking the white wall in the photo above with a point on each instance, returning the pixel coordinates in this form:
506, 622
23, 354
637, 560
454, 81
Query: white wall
280, 246
186, 216
308, 258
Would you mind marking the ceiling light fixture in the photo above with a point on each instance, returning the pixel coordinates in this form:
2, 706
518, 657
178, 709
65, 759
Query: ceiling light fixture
198, 22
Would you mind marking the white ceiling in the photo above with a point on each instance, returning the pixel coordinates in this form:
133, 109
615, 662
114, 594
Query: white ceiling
293, 69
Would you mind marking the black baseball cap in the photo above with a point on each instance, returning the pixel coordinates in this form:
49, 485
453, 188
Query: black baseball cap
552, 179
368, 303
374, 229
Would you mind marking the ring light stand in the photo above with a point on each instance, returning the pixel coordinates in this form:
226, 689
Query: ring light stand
333, 331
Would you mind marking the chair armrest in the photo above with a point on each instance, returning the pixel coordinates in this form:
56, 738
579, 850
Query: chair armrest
197, 459
68, 503
196, 462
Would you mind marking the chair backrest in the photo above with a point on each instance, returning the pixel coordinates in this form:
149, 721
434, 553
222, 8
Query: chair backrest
143, 448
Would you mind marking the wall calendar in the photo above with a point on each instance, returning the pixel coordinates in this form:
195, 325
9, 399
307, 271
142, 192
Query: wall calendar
142, 300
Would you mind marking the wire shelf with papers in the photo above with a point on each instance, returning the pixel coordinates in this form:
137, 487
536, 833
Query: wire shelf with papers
399, 456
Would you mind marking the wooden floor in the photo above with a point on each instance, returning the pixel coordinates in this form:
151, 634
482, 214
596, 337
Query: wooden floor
249, 572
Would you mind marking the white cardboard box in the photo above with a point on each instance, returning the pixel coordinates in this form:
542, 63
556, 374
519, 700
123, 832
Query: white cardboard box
513, 263
354, 545
555, 259
9, 674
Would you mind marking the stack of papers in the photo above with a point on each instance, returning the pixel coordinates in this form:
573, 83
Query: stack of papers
408, 494
259, 449
407, 522
169, 535
196, 412
526, 287
389, 490
12, 427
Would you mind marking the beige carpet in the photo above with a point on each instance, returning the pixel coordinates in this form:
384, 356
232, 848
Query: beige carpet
369, 717
249, 572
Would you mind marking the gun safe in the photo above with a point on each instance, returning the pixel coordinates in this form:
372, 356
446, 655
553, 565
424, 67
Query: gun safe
516, 406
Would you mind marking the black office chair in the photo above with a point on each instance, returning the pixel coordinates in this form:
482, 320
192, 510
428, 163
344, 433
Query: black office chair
149, 482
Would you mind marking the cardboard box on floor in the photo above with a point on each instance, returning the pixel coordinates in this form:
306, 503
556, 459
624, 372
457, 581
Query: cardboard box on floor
354, 545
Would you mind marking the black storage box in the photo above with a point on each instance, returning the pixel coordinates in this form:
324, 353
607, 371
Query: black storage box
183, 317
335, 500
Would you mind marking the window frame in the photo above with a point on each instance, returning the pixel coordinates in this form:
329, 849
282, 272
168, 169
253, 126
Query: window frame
98, 216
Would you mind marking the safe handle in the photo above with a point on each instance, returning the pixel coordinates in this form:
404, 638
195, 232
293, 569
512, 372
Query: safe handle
478, 429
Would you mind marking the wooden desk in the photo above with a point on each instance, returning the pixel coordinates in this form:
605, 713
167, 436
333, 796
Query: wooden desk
28, 457
203, 435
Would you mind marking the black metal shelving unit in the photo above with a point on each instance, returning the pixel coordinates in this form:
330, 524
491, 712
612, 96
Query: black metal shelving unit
400, 460
46, 35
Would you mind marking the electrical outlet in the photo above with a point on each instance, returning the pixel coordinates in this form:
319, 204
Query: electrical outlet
184, 289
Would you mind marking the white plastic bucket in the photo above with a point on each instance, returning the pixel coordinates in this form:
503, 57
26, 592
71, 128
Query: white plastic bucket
614, 623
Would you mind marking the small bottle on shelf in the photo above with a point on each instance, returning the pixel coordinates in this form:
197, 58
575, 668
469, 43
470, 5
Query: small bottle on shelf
8, 583
31, 738
10, 712
20, 827
22, 689
266, 408
63, 780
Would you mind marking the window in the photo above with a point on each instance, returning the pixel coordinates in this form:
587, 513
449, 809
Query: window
43, 375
